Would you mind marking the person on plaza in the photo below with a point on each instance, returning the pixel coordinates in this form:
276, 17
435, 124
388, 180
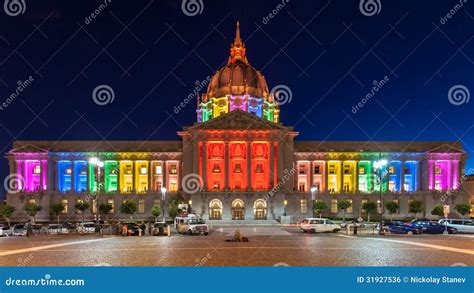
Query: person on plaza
143, 228
150, 227
124, 230
119, 228
28, 228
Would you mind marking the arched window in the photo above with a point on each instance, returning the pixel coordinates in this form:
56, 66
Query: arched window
238, 209
260, 209
215, 210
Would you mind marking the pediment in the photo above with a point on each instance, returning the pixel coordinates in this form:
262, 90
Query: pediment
28, 148
238, 120
447, 148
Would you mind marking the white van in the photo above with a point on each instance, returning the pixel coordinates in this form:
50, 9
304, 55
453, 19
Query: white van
466, 226
191, 224
317, 225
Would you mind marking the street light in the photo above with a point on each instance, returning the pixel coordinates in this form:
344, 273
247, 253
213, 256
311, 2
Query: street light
96, 162
313, 190
163, 198
379, 166
190, 203
285, 202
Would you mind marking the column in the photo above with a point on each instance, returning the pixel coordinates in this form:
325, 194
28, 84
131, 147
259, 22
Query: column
326, 175
402, 176
164, 182
272, 166
56, 175
280, 161
150, 177
341, 176
42, 169
249, 166
134, 175
356, 171
204, 165
456, 178
431, 164
226, 164
449, 176
73, 175
311, 174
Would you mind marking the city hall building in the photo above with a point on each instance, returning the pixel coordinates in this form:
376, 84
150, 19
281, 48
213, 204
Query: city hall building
237, 164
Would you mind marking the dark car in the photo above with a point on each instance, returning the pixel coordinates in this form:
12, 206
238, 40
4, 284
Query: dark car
398, 227
132, 228
159, 229
429, 227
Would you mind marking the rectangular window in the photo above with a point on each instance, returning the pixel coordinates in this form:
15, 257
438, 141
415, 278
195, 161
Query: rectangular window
317, 169
334, 206
216, 168
303, 206
301, 187
174, 169
438, 169
302, 169
94, 206
33, 201
143, 170
362, 202
332, 169
349, 209
111, 202
379, 207
391, 169
157, 201
159, 170
79, 201
347, 169
238, 168
259, 168
37, 169
362, 170
141, 206
64, 203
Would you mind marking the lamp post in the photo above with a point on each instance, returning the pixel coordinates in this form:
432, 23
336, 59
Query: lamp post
163, 198
99, 164
190, 203
285, 203
313, 190
379, 167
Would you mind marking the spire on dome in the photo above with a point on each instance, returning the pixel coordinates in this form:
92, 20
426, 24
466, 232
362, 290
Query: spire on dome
237, 50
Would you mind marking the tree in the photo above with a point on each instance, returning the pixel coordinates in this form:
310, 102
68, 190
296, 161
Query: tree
55, 209
392, 208
319, 207
6, 211
32, 209
129, 207
463, 209
344, 205
416, 207
173, 205
105, 209
82, 206
156, 211
369, 208
438, 211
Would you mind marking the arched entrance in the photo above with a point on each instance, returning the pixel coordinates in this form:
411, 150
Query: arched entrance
238, 209
215, 210
260, 209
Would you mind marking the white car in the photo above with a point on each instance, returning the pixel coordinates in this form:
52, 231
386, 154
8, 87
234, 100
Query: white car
191, 225
466, 226
57, 229
86, 228
317, 225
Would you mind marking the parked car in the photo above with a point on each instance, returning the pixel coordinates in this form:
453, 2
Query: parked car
352, 224
19, 230
4, 230
398, 227
132, 229
57, 229
86, 228
159, 228
463, 226
316, 225
429, 227
193, 225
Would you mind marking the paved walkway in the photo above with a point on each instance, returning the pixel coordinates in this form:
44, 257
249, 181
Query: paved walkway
253, 231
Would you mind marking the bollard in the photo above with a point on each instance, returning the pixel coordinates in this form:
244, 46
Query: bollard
169, 230
348, 230
355, 229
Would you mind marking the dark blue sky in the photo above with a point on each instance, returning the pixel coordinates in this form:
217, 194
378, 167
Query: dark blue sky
151, 54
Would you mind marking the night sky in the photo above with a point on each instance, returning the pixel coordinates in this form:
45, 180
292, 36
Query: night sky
151, 54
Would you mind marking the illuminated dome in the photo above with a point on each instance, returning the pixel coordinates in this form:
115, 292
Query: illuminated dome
237, 85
